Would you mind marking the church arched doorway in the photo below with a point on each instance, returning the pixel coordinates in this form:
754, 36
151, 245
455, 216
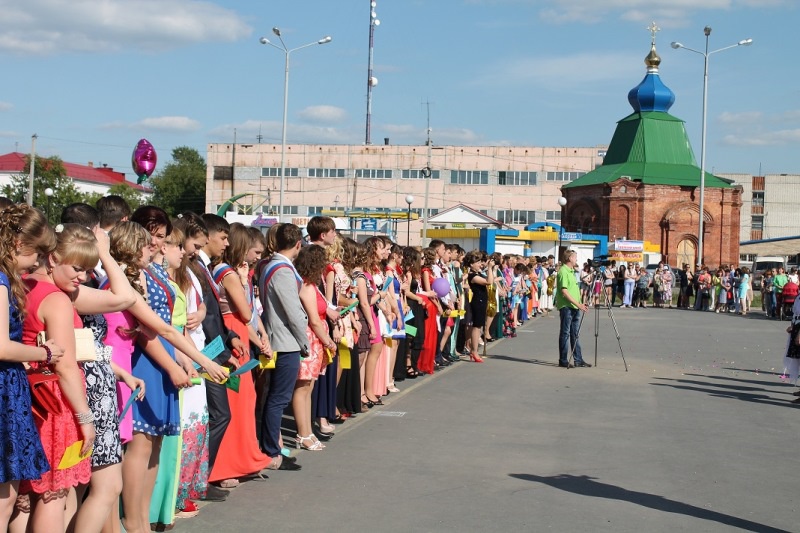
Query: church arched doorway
686, 253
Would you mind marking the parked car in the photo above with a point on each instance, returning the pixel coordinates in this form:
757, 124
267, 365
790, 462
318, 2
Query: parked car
763, 263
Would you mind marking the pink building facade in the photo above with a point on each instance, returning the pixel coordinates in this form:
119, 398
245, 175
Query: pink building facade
517, 185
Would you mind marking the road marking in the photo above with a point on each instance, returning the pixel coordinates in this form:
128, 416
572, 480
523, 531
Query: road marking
396, 414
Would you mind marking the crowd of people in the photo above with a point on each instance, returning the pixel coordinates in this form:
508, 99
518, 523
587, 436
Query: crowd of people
721, 290
149, 360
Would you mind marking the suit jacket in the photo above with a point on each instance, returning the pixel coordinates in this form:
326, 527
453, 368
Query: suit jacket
213, 323
284, 317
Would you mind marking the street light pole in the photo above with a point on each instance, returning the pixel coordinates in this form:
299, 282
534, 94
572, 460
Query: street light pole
409, 201
706, 54
562, 202
287, 52
49, 193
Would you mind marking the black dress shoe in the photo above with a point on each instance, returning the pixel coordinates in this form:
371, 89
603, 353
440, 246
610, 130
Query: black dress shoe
583, 364
289, 465
215, 494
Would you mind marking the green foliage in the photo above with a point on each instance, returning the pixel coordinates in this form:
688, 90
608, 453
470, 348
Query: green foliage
49, 173
125, 190
181, 184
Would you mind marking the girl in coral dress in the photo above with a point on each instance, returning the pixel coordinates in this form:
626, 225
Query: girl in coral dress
239, 454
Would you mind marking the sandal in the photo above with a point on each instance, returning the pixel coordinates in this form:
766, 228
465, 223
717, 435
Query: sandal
229, 483
315, 445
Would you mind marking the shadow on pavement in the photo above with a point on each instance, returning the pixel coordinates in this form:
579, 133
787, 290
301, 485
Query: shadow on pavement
754, 371
588, 486
707, 388
531, 361
740, 380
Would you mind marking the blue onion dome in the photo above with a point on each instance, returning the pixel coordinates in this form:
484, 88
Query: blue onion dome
651, 94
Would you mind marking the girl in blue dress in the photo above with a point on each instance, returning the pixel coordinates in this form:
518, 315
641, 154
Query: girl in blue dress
24, 234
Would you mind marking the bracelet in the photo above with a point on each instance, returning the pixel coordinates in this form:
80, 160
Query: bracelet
84, 418
49, 354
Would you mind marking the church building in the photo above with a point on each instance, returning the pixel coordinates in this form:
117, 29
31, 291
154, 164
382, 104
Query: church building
648, 187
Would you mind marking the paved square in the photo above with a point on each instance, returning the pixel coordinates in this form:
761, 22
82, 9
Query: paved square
699, 435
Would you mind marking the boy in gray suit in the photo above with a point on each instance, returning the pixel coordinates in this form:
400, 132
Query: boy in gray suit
285, 321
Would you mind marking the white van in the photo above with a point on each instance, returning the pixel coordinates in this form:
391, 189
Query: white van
764, 263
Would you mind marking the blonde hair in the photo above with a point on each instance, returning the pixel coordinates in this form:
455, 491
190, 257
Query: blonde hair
334, 251
127, 240
76, 245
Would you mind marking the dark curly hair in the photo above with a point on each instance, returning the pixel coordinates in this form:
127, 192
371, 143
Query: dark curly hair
354, 255
311, 262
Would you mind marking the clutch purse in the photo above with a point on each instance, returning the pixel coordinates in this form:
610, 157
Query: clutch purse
84, 344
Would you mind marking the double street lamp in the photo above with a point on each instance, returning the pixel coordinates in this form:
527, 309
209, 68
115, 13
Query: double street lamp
562, 202
706, 54
409, 201
286, 51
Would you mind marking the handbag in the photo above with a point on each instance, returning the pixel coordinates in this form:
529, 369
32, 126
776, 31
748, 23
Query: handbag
84, 344
491, 305
43, 398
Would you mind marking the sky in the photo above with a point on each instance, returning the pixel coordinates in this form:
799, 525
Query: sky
92, 77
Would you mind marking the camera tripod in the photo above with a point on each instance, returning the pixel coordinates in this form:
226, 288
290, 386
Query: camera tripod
598, 277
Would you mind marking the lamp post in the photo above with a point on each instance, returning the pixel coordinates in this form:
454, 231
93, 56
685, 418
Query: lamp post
562, 202
287, 52
706, 54
409, 201
49, 193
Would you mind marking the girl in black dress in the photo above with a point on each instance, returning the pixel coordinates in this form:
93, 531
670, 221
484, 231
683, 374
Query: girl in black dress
476, 261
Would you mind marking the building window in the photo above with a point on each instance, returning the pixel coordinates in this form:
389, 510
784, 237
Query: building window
374, 173
314, 210
326, 173
413, 174
516, 178
270, 172
553, 215
469, 177
431, 212
516, 216
290, 210
564, 176
758, 199
757, 223
223, 173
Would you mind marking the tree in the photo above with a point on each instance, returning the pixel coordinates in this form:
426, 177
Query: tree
49, 173
181, 185
125, 190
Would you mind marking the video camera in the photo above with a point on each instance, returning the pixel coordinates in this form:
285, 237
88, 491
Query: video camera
600, 261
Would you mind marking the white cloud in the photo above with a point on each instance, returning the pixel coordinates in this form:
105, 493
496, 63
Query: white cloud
323, 114
560, 72
668, 13
165, 124
5, 106
792, 115
52, 26
270, 132
744, 118
177, 124
7, 134
764, 138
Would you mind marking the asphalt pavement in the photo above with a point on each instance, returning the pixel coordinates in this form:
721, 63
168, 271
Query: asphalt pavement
698, 435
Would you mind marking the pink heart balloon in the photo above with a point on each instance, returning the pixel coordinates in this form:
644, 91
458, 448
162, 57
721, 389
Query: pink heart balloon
144, 159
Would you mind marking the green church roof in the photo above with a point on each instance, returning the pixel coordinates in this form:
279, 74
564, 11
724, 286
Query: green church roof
651, 147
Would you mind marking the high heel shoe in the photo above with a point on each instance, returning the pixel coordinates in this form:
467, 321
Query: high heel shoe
475, 358
315, 445
374, 402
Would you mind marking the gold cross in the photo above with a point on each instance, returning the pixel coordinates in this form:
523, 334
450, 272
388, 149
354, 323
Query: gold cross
653, 29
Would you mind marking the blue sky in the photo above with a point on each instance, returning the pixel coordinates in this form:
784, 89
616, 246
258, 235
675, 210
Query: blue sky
91, 78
